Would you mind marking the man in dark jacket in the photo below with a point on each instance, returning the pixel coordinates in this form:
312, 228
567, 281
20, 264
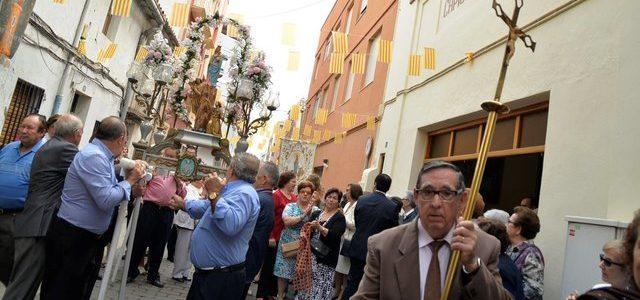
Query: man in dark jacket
48, 172
374, 213
265, 183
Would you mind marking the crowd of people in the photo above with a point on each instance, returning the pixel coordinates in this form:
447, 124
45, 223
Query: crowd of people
255, 224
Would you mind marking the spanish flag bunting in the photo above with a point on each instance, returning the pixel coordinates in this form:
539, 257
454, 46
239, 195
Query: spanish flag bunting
348, 120
294, 61
294, 113
357, 63
101, 56
82, 44
232, 31
371, 122
326, 135
414, 65
179, 15
287, 126
429, 58
307, 130
336, 65
296, 133
384, 51
121, 8
141, 55
470, 56
321, 116
288, 34
339, 138
340, 42
179, 50
209, 52
59, 1
317, 136
111, 50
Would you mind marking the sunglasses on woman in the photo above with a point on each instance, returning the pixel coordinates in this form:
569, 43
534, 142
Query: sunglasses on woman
608, 262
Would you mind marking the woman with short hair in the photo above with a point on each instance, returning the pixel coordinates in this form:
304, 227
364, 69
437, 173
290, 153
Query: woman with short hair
353, 192
523, 226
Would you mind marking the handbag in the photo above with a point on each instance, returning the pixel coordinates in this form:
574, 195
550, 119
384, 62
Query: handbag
319, 248
290, 249
346, 246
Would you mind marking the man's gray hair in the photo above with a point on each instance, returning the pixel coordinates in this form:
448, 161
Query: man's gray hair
245, 166
67, 126
272, 172
438, 164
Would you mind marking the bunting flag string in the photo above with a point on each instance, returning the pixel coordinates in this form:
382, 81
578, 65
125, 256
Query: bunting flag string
414, 65
121, 8
179, 15
296, 133
307, 130
321, 116
470, 56
336, 65
317, 136
371, 123
101, 56
340, 42
232, 31
111, 50
326, 135
287, 126
294, 61
384, 51
429, 58
339, 138
357, 63
288, 34
59, 1
142, 53
82, 44
179, 50
348, 120
294, 113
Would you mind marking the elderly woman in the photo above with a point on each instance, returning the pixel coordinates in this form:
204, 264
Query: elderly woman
328, 227
352, 193
522, 228
408, 212
294, 216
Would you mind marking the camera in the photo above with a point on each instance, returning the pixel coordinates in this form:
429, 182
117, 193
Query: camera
128, 164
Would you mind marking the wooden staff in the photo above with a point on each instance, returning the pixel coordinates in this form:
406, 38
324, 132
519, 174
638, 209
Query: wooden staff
493, 107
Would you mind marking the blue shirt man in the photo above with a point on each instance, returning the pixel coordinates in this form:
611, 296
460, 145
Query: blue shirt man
221, 238
15, 173
91, 190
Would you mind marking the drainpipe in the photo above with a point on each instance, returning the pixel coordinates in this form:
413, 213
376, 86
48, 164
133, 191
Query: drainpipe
67, 63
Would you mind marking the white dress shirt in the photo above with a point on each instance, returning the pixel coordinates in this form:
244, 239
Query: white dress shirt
424, 256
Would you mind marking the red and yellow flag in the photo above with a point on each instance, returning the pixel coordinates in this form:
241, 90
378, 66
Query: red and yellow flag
384, 51
307, 130
110, 51
414, 65
288, 34
336, 65
294, 113
142, 53
317, 136
326, 135
339, 137
430, 58
371, 123
293, 62
340, 42
180, 15
121, 8
296, 134
357, 63
321, 116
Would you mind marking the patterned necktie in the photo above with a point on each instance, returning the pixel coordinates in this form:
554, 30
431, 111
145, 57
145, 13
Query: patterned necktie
432, 285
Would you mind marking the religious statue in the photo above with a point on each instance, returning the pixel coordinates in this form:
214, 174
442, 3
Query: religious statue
201, 101
214, 126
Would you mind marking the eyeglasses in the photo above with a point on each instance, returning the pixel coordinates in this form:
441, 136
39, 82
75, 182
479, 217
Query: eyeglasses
514, 223
428, 194
608, 262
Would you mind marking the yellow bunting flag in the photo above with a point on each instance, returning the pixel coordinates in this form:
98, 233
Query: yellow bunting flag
340, 42
336, 65
414, 65
317, 136
430, 58
307, 130
371, 122
287, 126
210, 52
326, 135
82, 44
294, 61
179, 50
141, 55
384, 51
110, 51
294, 113
470, 56
59, 1
232, 31
296, 133
321, 116
348, 120
357, 63
288, 34
179, 15
101, 56
339, 138
121, 8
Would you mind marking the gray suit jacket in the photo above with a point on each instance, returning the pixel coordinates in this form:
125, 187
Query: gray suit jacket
48, 170
393, 272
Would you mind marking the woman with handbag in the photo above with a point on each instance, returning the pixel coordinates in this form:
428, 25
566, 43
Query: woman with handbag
328, 227
294, 216
353, 192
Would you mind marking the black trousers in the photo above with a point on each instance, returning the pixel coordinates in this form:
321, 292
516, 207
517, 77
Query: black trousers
171, 243
154, 223
268, 283
222, 285
71, 250
355, 275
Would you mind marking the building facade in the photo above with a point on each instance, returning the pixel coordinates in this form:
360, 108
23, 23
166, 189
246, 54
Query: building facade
568, 142
365, 23
36, 80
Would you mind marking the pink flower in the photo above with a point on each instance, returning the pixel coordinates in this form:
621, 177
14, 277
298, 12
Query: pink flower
257, 70
157, 55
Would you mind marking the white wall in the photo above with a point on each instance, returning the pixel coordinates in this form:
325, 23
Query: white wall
586, 61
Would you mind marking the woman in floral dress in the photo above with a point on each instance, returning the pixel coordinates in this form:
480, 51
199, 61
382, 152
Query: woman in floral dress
294, 216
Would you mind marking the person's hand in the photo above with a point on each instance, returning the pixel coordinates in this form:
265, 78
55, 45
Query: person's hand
272, 243
138, 189
464, 239
177, 202
315, 225
137, 172
573, 295
214, 183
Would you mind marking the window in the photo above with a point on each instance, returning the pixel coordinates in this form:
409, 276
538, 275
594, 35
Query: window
363, 6
327, 49
317, 105
325, 95
349, 13
317, 67
111, 23
336, 88
347, 94
80, 106
372, 60
26, 100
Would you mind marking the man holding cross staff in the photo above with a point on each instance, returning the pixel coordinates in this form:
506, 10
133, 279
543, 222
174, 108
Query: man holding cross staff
441, 234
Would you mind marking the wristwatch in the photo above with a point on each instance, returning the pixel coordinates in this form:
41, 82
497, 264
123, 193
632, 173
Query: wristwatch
464, 269
213, 196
